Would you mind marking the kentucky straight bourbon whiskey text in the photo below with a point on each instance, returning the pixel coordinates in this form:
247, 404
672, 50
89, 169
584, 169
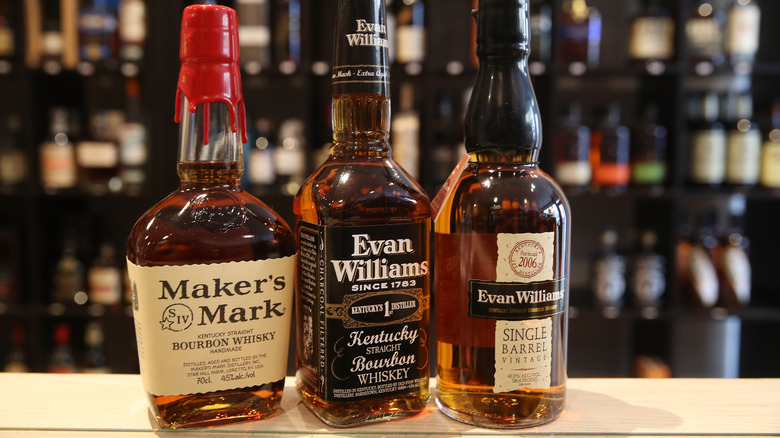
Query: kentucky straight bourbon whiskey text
211, 268
363, 230
502, 256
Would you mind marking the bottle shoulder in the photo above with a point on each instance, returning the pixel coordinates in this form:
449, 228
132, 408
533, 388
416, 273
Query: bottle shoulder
214, 225
363, 191
501, 198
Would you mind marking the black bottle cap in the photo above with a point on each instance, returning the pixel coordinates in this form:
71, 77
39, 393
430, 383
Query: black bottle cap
502, 27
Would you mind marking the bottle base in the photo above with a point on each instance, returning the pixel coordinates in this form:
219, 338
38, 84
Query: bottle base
216, 408
500, 411
361, 412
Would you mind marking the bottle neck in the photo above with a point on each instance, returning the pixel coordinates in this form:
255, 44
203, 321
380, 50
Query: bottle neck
361, 80
361, 124
502, 119
210, 152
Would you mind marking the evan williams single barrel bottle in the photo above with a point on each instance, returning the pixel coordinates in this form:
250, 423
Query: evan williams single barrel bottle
502, 248
363, 228
211, 267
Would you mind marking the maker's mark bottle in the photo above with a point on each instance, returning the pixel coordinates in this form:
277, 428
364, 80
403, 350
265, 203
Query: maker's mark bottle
363, 228
502, 248
211, 267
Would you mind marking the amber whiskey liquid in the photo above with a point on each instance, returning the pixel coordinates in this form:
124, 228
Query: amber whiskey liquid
502, 257
363, 231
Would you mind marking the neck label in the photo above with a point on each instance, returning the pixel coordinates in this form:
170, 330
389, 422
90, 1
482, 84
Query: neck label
360, 65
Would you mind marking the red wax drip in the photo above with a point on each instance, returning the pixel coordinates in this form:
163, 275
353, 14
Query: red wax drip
209, 55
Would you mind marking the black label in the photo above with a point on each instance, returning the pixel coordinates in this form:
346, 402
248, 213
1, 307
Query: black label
360, 64
365, 304
516, 301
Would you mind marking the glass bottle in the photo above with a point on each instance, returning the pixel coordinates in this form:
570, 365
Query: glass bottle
290, 157
572, 151
262, 173
61, 359
9, 36
16, 358
698, 276
133, 148
104, 278
651, 40
609, 274
405, 133
648, 157
69, 276
97, 156
611, 151
52, 43
731, 260
210, 258
57, 154
287, 35
502, 248
254, 35
363, 228
94, 360
541, 22
10, 290
97, 25
410, 31
707, 141
704, 33
743, 143
13, 162
132, 30
742, 34
770, 153
579, 33
444, 152
648, 279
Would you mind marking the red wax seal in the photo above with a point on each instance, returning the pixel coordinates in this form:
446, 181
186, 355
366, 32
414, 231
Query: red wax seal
209, 55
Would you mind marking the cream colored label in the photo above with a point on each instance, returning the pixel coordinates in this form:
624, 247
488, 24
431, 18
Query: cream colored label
97, 154
410, 44
406, 143
523, 354
743, 30
58, 165
573, 172
105, 285
770, 165
708, 157
523, 349
743, 163
204, 328
652, 37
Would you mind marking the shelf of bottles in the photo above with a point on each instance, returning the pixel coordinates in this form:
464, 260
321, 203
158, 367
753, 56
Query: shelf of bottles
661, 121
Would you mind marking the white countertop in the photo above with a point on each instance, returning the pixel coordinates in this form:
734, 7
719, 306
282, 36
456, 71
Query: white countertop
115, 405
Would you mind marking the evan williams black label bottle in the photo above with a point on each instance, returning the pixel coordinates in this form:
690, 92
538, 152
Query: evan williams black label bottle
211, 267
502, 248
363, 229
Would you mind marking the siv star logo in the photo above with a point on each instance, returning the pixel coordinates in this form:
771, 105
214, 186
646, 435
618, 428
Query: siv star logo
177, 317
